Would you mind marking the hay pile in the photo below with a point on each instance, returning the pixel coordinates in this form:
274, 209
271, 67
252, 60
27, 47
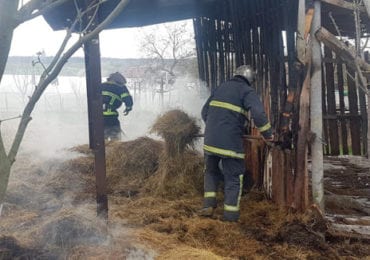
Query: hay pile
129, 164
177, 177
161, 218
178, 129
180, 171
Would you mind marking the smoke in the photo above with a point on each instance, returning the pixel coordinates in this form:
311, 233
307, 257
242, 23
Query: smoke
45, 201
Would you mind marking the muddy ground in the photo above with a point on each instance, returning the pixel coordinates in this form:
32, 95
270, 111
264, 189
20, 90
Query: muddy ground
50, 211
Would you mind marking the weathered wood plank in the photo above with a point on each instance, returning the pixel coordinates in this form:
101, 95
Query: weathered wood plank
278, 177
355, 125
330, 97
300, 185
343, 121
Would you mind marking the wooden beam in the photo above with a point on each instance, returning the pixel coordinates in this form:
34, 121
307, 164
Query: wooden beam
343, 4
316, 113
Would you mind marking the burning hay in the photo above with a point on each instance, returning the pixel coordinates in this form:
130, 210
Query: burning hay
69, 229
178, 130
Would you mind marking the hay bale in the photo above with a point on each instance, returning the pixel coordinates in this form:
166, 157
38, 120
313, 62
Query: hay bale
178, 177
138, 158
129, 164
177, 129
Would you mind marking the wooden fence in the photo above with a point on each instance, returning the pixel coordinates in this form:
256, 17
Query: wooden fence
344, 109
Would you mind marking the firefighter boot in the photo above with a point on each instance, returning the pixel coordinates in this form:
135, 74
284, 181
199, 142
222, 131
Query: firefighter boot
206, 212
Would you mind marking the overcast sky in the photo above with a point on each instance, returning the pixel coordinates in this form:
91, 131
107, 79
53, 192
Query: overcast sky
36, 35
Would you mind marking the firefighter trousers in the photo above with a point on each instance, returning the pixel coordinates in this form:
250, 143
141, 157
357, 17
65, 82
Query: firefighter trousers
231, 171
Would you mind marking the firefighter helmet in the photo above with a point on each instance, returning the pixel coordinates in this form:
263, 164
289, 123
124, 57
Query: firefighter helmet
117, 78
247, 72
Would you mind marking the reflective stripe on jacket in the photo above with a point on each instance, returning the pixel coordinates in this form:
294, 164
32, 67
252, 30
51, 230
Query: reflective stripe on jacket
224, 115
113, 97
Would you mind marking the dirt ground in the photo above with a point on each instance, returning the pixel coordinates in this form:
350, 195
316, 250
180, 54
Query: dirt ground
50, 211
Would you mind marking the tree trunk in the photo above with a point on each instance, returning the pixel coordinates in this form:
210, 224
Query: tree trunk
5, 166
8, 10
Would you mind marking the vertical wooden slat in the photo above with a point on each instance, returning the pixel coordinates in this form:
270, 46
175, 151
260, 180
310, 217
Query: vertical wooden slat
325, 132
343, 120
355, 125
278, 177
364, 123
333, 141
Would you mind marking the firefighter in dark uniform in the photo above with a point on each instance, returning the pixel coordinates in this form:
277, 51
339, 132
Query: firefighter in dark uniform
225, 114
114, 93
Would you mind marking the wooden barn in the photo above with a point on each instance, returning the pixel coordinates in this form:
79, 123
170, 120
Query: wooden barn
312, 77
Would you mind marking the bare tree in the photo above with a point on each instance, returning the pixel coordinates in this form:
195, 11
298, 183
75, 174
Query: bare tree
168, 46
23, 83
10, 18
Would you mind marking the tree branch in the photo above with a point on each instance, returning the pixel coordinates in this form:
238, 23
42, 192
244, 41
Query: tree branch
58, 65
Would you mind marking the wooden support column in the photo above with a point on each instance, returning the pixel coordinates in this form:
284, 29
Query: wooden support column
95, 113
316, 113
301, 43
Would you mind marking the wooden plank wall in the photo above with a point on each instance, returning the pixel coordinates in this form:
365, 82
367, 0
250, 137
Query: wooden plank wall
344, 109
251, 32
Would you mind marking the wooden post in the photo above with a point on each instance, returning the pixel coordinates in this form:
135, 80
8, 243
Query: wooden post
316, 113
96, 125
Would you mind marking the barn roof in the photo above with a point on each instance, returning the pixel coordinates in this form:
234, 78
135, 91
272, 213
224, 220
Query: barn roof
137, 13
145, 12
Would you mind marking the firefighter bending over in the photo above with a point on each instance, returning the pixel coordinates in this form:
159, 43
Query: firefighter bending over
224, 114
114, 93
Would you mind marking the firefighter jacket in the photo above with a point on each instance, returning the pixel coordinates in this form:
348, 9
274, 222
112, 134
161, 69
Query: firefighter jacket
113, 97
225, 114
